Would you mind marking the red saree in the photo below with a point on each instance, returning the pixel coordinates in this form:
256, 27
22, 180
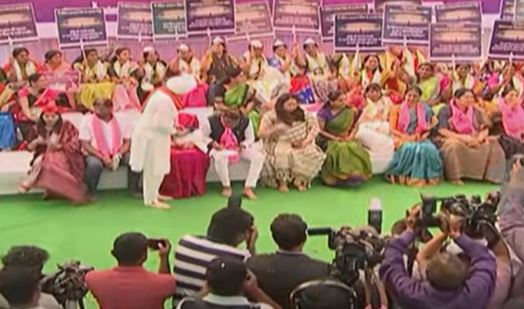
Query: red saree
60, 172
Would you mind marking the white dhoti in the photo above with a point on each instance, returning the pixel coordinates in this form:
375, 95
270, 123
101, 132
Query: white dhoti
376, 138
252, 154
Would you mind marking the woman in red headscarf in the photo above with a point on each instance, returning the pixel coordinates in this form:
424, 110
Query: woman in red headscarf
58, 164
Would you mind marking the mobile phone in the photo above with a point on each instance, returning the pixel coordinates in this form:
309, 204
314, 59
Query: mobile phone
155, 244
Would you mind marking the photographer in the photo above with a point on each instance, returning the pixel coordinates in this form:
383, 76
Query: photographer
33, 259
130, 285
450, 284
279, 273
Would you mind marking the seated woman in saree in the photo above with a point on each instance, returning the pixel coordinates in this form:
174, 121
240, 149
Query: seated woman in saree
429, 84
96, 82
58, 166
408, 57
463, 78
153, 70
467, 150
347, 163
125, 74
289, 134
216, 62
20, 67
185, 63
512, 111
373, 129
282, 60
417, 161
55, 63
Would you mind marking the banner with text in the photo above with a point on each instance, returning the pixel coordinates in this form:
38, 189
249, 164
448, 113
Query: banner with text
134, 20
380, 4
406, 24
18, 23
169, 20
300, 15
81, 26
358, 32
210, 16
459, 12
327, 16
450, 42
253, 19
507, 40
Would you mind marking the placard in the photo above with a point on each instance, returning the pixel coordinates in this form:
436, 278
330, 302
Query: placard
19, 25
507, 9
459, 12
358, 32
406, 24
81, 26
210, 16
380, 4
253, 19
455, 41
300, 15
327, 17
134, 20
63, 81
507, 40
519, 10
169, 19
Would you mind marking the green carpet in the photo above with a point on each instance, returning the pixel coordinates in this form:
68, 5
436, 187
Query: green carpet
86, 233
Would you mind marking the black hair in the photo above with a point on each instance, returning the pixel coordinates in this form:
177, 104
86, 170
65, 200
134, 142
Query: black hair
40, 125
129, 249
118, 51
26, 256
334, 95
459, 93
286, 117
507, 90
33, 78
226, 275
277, 47
373, 86
19, 286
379, 67
414, 88
17, 51
288, 231
324, 296
83, 56
50, 54
228, 224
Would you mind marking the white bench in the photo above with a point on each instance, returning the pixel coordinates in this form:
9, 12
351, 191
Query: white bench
14, 165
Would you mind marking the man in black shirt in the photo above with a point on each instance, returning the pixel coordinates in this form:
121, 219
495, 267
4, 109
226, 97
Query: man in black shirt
279, 273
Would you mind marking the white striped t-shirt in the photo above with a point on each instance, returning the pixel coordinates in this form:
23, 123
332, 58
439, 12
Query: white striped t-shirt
192, 256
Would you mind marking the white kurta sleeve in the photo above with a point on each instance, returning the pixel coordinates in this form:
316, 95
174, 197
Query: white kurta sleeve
249, 136
164, 117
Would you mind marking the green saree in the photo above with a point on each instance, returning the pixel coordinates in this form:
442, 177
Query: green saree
347, 162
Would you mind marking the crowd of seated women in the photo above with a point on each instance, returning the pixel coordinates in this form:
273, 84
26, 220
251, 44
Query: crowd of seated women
294, 113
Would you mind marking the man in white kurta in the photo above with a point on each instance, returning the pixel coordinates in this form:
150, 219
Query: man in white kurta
151, 143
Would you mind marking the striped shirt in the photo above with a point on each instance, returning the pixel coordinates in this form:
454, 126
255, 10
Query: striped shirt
192, 256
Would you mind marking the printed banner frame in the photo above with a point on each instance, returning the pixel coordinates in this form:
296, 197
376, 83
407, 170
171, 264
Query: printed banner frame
7, 34
504, 41
147, 23
379, 5
460, 9
449, 42
364, 28
327, 17
93, 15
175, 19
280, 14
265, 22
393, 23
194, 20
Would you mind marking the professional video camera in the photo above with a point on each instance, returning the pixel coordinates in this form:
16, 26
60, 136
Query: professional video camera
354, 250
476, 213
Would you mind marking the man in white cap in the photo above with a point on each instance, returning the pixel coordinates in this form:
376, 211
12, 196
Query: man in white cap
151, 139
185, 62
313, 59
281, 59
216, 61
154, 71
254, 62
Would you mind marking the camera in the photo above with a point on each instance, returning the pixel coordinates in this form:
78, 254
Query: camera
476, 213
354, 250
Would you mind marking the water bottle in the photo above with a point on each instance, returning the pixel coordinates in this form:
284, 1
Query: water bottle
375, 214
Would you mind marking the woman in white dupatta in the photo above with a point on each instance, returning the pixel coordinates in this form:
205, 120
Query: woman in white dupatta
154, 71
20, 67
123, 73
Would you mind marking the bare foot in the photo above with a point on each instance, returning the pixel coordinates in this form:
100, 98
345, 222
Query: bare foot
301, 188
22, 189
283, 188
159, 205
457, 182
227, 192
164, 198
248, 192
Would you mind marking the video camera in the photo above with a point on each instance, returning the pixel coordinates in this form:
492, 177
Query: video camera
476, 213
354, 250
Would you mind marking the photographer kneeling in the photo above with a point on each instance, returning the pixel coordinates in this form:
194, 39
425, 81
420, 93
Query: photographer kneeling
450, 284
